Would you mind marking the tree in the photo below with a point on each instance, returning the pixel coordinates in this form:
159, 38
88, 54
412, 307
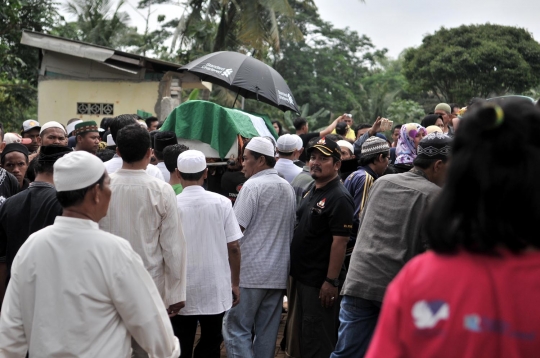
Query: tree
19, 63
474, 61
99, 22
327, 68
405, 111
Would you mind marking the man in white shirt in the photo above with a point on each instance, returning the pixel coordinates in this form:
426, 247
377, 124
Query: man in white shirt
143, 211
213, 252
288, 153
77, 291
115, 163
161, 141
265, 210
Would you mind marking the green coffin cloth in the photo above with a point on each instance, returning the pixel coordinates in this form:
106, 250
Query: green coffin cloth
144, 114
209, 123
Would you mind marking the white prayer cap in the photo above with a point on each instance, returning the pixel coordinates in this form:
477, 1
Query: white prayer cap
52, 124
286, 143
77, 170
299, 142
71, 127
262, 146
110, 141
191, 161
348, 145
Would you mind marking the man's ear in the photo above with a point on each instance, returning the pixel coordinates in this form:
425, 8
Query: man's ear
38, 140
205, 175
118, 152
437, 166
337, 165
177, 173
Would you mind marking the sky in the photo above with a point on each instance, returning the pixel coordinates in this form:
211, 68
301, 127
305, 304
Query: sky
395, 24
399, 24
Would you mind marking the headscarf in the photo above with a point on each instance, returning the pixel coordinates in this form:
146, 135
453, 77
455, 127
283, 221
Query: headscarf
405, 149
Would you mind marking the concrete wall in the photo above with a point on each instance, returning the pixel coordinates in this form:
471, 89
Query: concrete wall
58, 98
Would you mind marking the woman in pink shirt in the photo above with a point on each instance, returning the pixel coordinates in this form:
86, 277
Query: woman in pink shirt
477, 292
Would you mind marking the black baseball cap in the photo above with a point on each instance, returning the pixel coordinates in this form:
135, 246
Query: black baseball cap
327, 147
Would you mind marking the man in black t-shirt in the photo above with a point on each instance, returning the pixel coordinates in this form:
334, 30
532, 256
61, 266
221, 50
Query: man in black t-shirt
8, 185
323, 224
29, 211
302, 127
232, 180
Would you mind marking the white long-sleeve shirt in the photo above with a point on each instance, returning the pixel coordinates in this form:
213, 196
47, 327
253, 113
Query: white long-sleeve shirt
77, 291
143, 211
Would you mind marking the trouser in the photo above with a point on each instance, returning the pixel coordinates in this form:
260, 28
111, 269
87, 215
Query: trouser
358, 318
311, 328
185, 327
259, 309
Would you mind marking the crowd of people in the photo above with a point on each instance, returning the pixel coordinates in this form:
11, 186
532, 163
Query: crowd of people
422, 245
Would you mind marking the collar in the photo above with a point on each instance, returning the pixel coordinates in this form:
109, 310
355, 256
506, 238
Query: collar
193, 188
40, 184
286, 161
75, 223
264, 172
130, 171
370, 171
419, 172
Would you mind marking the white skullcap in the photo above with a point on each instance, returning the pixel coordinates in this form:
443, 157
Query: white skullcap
71, 127
262, 146
299, 142
110, 141
286, 143
191, 161
77, 170
52, 124
348, 145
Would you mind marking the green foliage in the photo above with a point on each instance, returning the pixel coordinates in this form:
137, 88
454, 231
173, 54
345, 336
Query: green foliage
405, 111
474, 61
99, 22
315, 120
19, 63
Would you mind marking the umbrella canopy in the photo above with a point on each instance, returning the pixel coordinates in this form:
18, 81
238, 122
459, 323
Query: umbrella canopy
246, 76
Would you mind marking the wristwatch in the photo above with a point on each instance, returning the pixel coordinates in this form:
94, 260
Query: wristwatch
333, 281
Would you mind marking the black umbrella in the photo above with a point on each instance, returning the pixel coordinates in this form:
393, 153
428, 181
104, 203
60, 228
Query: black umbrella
244, 75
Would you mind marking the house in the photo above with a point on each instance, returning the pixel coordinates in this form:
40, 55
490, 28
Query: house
90, 82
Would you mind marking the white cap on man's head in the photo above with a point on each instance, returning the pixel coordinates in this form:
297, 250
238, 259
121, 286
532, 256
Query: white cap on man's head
77, 170
262, 146
287, 143
191, 161
348, 145
299, 141
52, 124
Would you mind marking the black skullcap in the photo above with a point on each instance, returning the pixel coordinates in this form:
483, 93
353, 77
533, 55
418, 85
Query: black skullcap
164, 139
15, 147
435, 146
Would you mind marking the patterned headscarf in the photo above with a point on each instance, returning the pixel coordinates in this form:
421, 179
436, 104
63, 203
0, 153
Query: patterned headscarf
405, 150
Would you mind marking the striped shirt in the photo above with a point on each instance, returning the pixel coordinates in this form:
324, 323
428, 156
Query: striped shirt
265, 207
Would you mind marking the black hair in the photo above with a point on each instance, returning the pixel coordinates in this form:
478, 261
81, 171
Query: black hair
105, 154
133, 143
106, 122
158, 154
430, 120
74, 197
192, 176
425, 163
170, 155
490, 199
284, 154
362, 126
398, 126
368, 159
280, 132
299, 122
31, 171
334, 137
120, 122
454, 105
103, 135
149, 121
